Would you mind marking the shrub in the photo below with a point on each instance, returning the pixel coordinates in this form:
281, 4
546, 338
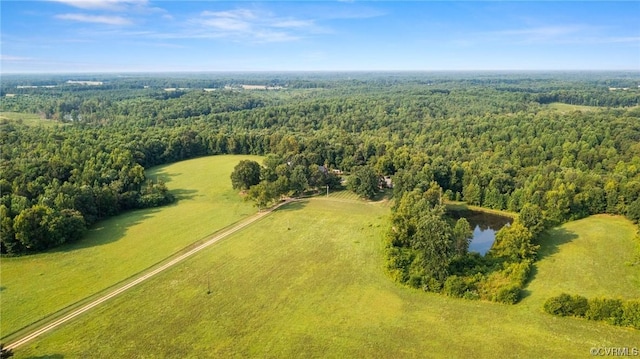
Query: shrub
609, 310
432, 285
471, 295
556, 305
455, 286
518, 272
398, 262
509, 294
612, 311
567, 305
631, 313
415, 281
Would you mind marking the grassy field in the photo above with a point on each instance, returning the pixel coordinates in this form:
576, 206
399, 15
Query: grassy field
308, 281
591, 257
27, 118
37, 285
565, 107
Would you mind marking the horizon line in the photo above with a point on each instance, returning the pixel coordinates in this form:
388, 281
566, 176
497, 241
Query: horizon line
312, 71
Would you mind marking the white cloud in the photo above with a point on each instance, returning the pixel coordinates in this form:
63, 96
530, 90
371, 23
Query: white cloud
96, 19
545, 31
293, 23
113, 5
252, 25
560, 34
111, 12
234, 14
10, 58
631, 39
227, 24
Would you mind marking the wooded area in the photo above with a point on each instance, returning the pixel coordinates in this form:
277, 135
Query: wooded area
487, 139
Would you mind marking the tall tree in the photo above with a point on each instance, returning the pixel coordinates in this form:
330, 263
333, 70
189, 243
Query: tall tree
31, 229
434, 240
298, 181
245, 174
364, 182
263, 194
531, 217
462, 235
514, 243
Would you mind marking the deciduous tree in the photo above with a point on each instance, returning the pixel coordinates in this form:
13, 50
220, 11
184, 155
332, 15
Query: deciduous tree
245, 174
364, 182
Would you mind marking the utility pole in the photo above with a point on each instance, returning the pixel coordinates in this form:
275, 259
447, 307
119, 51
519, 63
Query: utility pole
208, 285
327, 190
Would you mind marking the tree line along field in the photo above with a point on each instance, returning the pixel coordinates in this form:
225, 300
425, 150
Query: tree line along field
308, 280
82, 205
115, 249
487, 139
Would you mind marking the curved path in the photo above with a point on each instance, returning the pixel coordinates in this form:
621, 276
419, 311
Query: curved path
56, 323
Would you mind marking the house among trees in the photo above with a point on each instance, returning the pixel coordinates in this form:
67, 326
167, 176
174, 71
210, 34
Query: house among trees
323, 169
387, 182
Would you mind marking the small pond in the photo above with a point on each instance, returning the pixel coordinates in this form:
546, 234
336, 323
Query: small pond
484, 225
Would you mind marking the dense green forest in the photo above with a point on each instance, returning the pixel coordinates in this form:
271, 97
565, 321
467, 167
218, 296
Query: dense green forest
494, 140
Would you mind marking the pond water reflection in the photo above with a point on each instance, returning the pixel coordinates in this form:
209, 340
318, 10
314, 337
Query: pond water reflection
484, 225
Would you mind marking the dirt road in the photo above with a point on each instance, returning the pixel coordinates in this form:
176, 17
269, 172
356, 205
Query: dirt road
58, 322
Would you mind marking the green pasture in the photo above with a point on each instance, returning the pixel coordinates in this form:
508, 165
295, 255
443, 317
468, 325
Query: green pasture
592, 257
35, 286
565, 107
27, 118
308, 281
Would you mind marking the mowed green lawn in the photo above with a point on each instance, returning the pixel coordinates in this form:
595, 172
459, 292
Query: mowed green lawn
308, 282
115, 249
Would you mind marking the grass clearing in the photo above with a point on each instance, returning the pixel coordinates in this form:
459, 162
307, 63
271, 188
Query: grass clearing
565, 107
38, 285
27, 118
308, 281
591, 257
344, 195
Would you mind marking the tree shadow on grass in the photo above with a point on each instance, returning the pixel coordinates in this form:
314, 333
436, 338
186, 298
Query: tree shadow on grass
112, 229
385, 195
162, 175
183, 194
552, 239
293, 206
524, 293
108, 230
550, 242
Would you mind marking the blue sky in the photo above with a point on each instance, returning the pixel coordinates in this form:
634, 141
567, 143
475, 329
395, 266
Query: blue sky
149, 36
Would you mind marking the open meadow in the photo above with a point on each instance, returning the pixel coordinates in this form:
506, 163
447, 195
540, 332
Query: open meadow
593, 257
308, 281
35, 286
27, 118
565, 108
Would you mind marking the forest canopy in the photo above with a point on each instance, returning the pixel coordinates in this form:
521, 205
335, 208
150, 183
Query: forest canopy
566, 144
